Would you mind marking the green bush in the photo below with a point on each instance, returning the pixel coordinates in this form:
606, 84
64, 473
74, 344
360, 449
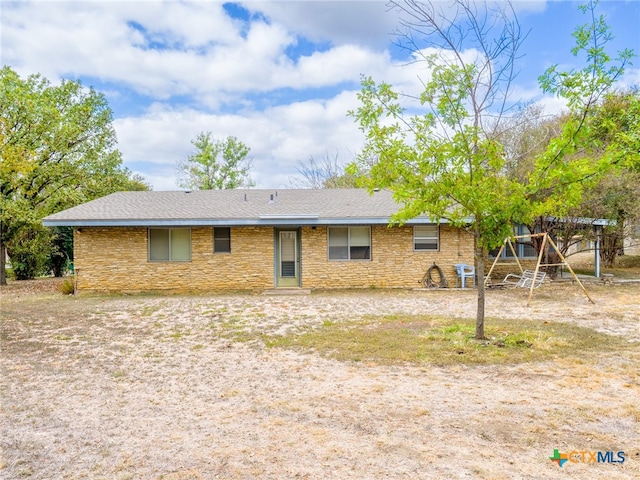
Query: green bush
61, 250
9, 272
29, 251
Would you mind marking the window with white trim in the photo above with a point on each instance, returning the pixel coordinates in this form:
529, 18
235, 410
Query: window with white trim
169, 244
426, 237
349, 243
221, 239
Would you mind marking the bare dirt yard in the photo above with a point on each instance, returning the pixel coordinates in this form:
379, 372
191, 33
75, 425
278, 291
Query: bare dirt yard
188, 387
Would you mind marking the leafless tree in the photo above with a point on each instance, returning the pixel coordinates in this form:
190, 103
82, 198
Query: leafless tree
329, 173
459, 29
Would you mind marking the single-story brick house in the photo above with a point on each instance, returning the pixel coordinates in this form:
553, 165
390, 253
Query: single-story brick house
255, 239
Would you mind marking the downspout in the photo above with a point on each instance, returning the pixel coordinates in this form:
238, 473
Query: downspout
596, 260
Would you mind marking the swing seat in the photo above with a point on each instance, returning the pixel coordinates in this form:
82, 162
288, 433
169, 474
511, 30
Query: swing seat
525, 280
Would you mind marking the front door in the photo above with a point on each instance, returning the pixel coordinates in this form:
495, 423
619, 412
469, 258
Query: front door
288, 266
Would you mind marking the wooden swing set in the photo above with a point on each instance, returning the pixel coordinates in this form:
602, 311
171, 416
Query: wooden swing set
533, 279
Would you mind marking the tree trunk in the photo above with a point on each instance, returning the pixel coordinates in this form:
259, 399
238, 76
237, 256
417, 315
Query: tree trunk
3, 257
479, 254
610, 243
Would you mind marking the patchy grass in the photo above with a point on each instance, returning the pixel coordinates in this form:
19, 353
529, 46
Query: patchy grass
443, 341
629, 261
147, 369
150, 311
626, 266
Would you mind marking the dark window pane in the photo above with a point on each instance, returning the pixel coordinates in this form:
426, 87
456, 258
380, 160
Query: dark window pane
426, 245
425, 237
528, 251
222, 245
360, 253
222, 239
288, 269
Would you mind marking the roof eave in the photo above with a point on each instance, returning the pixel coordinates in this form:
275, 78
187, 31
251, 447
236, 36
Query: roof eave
264, 221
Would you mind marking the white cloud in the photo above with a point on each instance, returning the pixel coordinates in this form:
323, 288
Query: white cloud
630, 78
191, 25
279, 137
341, 64
364, 22
231, 77
163, 50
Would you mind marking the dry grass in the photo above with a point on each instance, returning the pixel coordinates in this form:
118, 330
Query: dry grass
625, 267
185, 387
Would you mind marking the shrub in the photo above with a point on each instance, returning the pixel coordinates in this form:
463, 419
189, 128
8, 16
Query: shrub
29, 250
61, 250
67, 287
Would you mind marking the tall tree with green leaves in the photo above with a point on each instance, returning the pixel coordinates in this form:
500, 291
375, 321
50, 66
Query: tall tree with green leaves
57, 149
216, 164
615, 128
443, 158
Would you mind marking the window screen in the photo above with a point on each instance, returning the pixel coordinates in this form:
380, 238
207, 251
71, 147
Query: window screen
288, 252
222, 239
522, 246
425, 237
349, 243
180, 245
169, 244
159, 245
339, 243
359, 243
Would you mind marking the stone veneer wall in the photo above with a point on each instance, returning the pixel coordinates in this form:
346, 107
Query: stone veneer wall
116, 259
394, 263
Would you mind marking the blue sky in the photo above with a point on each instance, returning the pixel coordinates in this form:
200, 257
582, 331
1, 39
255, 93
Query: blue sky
280, 76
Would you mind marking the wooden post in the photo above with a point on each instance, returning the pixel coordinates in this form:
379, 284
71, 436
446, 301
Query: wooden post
535, 272
495, 261
571, 270
515, 255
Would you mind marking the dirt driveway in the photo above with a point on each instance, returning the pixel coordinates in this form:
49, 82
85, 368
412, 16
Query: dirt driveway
151, 388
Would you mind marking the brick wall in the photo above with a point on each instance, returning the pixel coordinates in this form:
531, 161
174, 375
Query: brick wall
394, 263
116, 259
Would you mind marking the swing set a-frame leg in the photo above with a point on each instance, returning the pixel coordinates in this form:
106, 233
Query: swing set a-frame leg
546, 238
575, 277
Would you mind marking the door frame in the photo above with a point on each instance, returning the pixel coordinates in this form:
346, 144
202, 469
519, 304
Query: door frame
277, 278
